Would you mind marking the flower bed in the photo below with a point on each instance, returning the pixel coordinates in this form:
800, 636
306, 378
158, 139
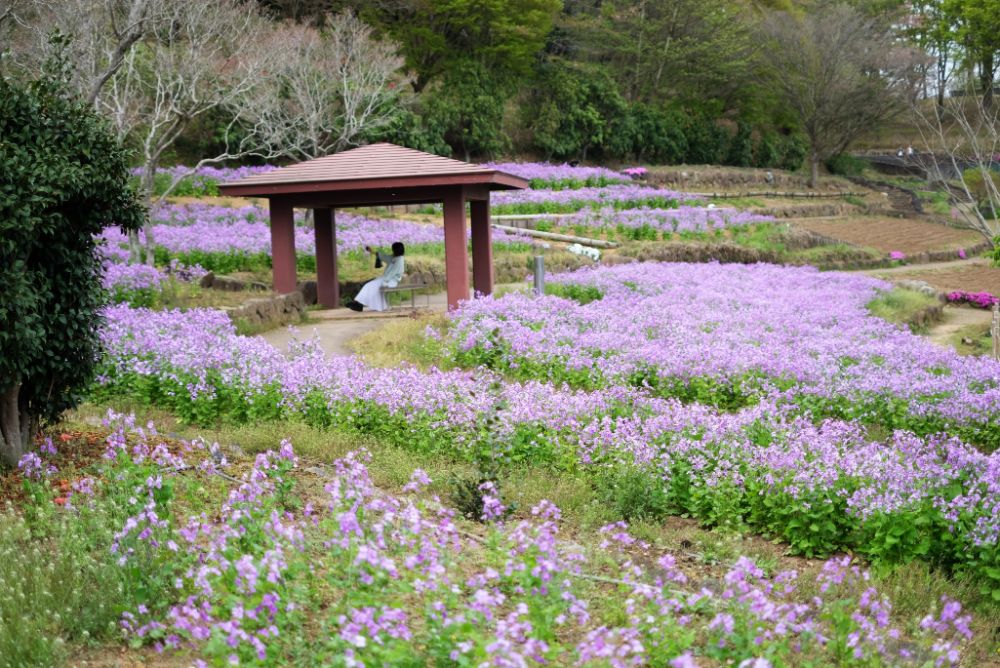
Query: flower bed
820, 487
352, 575
544, 175
653, 224
141, 284
570, 201
720, 334
229, 239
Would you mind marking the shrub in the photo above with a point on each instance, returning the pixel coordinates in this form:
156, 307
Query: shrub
63, 178
844, 164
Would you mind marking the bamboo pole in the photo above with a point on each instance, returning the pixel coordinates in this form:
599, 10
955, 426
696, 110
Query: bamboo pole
553, 236
995, 331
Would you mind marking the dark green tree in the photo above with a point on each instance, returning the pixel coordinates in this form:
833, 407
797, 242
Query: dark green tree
467, 107
63, 178
570, 110
436, 36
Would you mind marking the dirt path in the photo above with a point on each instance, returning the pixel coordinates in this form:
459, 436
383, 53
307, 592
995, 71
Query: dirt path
336, 328
930, 266
955, 319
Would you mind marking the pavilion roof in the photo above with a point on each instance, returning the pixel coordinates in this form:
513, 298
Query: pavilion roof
375, 166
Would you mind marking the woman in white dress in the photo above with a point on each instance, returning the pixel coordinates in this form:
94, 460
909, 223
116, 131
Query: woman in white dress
371, 295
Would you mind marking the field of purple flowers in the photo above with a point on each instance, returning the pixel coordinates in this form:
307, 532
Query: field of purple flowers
226, 239
731, 335
697, 392
280, 566
754, 400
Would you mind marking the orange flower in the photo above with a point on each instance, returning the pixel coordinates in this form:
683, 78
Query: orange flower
60, 500
65, 437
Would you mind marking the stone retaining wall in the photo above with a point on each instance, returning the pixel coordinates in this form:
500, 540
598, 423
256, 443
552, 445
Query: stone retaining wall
274, 310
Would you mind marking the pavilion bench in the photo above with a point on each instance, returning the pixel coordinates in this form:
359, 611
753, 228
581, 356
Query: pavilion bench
410, 285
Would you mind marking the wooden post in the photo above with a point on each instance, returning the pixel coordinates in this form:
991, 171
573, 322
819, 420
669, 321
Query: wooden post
456, 252
283, 246
327, 287
482, 247
995, 331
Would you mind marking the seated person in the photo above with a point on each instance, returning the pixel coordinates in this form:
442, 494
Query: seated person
371, 295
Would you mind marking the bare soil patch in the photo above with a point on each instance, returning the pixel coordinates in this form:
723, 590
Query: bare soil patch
971, 278
893, 234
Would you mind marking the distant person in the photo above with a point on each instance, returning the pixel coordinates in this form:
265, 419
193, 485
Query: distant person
899, 153
371, 295
909, 151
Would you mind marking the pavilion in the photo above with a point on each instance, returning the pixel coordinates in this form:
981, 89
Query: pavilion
378, 175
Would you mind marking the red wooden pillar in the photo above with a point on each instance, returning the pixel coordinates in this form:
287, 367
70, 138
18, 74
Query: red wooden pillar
283, 246
456, 252
327, 287
482, 247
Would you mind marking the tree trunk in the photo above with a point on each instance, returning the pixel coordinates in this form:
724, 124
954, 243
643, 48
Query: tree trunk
16, 428
148, 184
987, 71
813, 170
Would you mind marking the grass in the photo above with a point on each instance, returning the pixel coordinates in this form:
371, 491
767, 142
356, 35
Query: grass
900, 305
972, 340
59, 584
402, 341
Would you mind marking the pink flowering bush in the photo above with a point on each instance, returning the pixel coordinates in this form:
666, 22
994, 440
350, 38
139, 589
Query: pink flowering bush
984, 300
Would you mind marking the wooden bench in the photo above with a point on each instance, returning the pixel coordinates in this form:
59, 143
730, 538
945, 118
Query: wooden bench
408, 285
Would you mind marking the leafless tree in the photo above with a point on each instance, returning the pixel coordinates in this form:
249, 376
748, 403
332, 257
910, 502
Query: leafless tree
964, 132
197, 57
102, 34
155, 66
337, 84
838, 72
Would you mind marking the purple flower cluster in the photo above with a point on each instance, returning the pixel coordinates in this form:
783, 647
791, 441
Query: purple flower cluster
984, 300
679, 220
129, 277
203, 228
219, 174
545, 173
247, 577
194, 363
666, 326
615, 195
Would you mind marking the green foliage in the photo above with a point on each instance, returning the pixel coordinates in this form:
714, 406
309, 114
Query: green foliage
63, 178
647, 134
438, 37
844, 164
741, 147
571, 110
580, 293
468, 108
59, 582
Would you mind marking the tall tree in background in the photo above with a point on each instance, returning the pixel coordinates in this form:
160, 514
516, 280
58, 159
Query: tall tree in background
468, 57
337, 86
928, 27
839, 72
976, 25
684, 50
103, 35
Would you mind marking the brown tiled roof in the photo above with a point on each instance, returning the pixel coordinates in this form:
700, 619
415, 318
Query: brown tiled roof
367, 166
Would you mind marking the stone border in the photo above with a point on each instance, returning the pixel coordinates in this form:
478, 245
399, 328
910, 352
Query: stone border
275, 310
